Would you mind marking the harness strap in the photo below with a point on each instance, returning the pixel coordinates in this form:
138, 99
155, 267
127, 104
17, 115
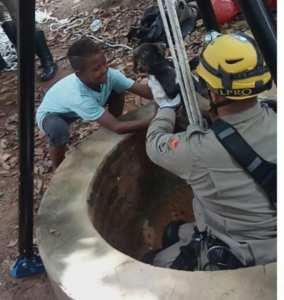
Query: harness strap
262, 171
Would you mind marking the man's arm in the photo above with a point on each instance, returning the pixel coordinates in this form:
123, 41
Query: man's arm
142, 90
110, 122
167, 150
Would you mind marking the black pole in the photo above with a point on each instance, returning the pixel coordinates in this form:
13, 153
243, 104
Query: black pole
263, 28
26, 88
208, 15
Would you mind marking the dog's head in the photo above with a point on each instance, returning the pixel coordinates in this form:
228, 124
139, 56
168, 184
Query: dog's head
146, 55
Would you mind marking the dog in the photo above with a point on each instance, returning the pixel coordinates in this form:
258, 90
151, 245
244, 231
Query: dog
150, 59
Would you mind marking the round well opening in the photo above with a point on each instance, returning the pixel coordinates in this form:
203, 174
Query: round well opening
132, 200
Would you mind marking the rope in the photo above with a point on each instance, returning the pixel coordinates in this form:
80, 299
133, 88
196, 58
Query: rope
181, 62
8, 52
42, 17
109, 44
175, 60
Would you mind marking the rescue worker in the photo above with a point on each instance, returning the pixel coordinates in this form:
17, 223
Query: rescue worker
233, 213
8, 18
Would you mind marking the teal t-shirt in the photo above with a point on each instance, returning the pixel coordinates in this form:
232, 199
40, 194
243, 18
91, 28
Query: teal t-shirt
73, 98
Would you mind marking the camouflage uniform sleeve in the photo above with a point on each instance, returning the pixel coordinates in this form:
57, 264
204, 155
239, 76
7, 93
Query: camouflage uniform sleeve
167, 150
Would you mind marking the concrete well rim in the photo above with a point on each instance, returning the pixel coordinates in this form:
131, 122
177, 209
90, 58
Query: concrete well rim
82, 265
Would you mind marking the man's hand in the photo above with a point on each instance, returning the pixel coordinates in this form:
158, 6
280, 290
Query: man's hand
141, 90
108, 121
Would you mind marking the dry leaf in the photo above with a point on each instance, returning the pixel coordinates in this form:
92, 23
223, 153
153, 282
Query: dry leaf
95, 10
6, 166
60, 58
39, 185
13, 243
5, 156
4, 172
14, 161
4, 89
54, 232
10, 102
105, 15
3, 143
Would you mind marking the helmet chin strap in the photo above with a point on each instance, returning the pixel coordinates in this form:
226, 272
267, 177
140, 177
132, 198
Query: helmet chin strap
215, 106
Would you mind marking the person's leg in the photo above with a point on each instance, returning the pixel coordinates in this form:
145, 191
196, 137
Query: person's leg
8, 24
57, 155
115, 103
8, 17
10, 8
3, 64
10, 29
49, 67
57, 130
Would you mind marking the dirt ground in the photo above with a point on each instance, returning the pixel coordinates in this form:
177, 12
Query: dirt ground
117, 17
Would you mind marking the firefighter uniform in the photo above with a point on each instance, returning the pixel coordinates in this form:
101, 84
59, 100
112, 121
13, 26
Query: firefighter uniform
228, 203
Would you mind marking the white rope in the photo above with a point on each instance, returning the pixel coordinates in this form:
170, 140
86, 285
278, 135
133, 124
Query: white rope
186, 82
42, 17
176, 64
8, 52
109, 44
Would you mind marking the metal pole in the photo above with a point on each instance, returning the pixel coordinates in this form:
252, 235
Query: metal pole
263, 28
26, 89
207, 13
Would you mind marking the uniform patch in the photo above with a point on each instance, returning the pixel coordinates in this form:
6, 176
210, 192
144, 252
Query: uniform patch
174, 143
162, 148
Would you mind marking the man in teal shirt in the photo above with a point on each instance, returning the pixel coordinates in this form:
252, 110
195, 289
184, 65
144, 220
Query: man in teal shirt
84, 94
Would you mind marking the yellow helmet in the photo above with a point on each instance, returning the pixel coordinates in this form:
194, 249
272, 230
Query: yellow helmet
233, 67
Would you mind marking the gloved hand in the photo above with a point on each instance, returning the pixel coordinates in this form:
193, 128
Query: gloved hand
160, 95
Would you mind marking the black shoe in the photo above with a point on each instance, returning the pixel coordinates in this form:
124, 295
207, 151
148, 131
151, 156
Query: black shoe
47, 63
49, 69
170, 235
3, 64
10, 29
